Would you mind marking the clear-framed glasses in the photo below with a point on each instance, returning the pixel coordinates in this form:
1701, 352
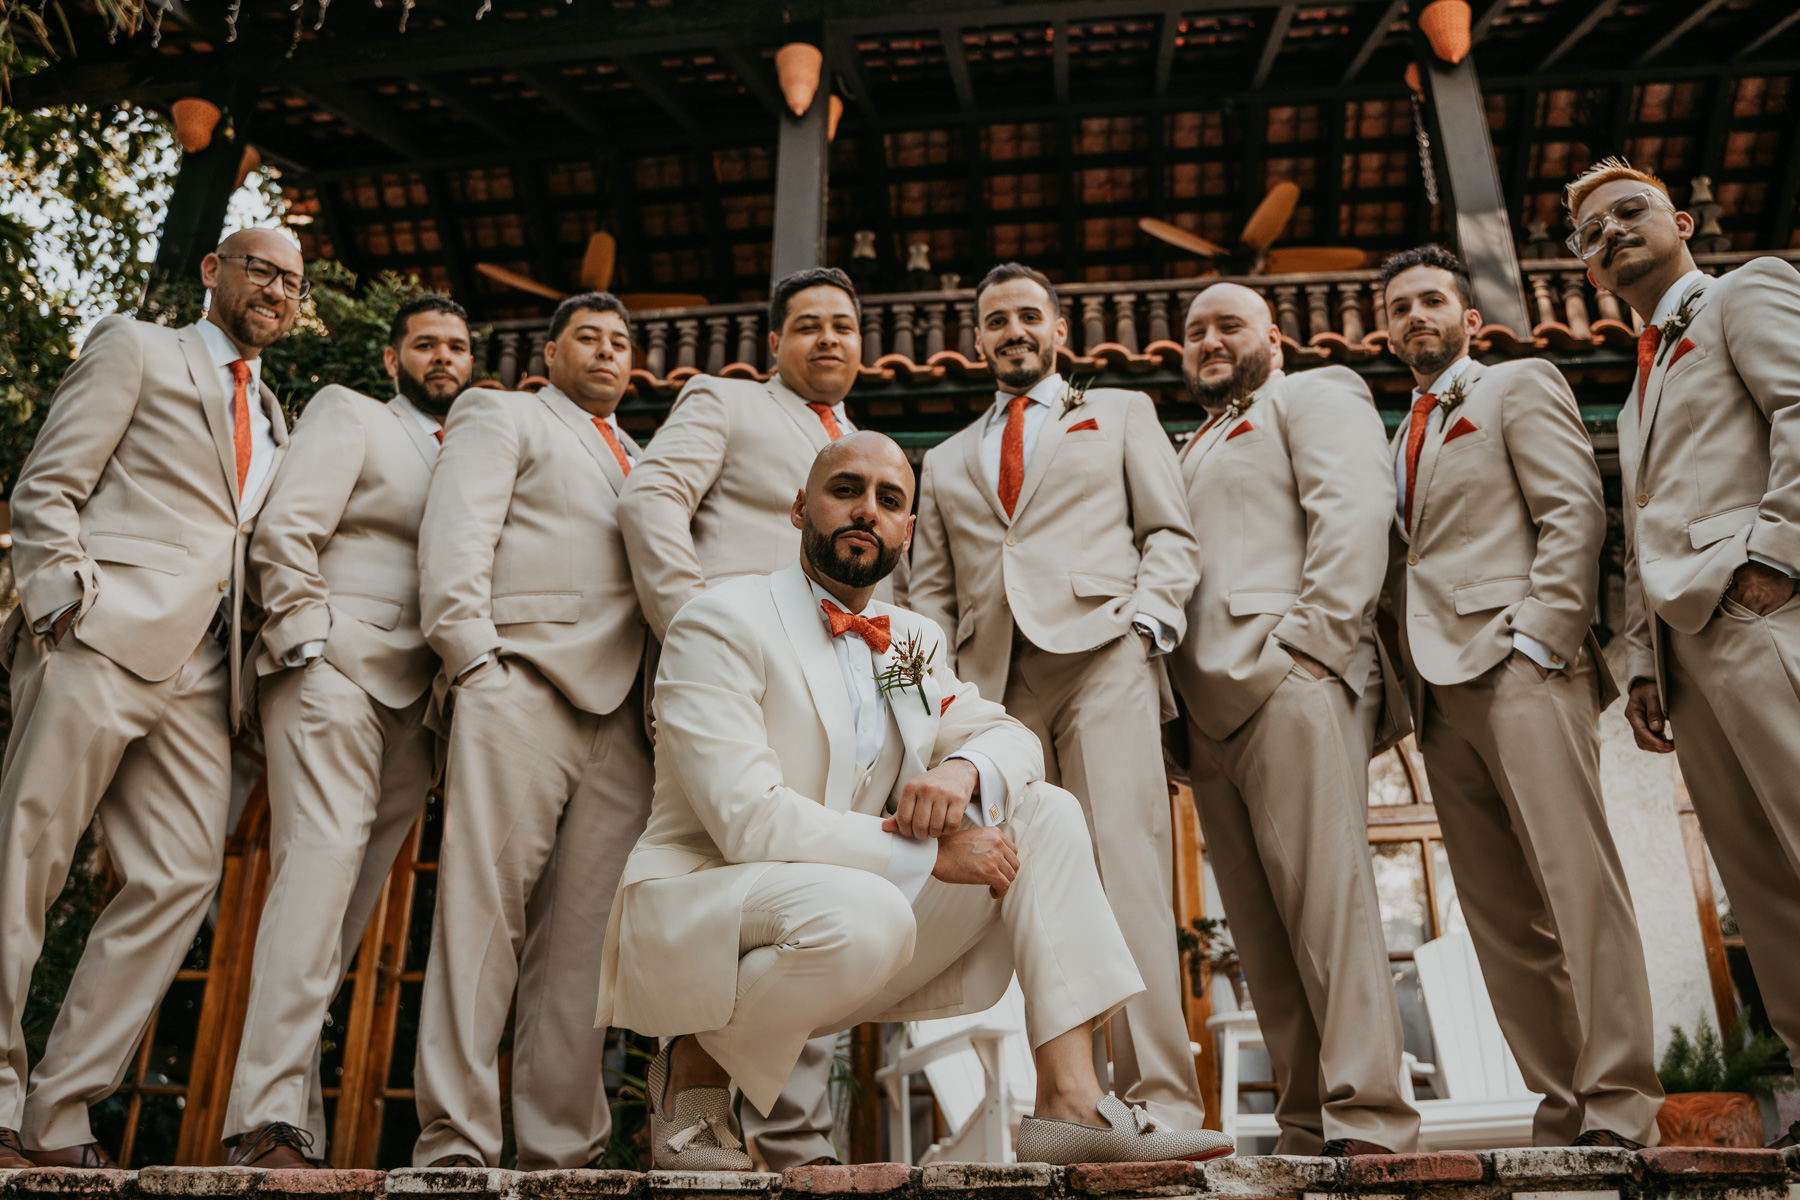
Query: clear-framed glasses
262, 273
1628, 213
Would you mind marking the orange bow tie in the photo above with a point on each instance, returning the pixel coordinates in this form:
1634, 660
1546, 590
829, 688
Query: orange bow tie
874, 633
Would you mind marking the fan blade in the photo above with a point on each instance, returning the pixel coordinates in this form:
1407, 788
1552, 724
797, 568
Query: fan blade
523, 283
1179, 237
597, 263
1271, 216
1312, 260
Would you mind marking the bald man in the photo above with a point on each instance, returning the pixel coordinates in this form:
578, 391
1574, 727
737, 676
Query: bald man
827, 847
130, 520
1290, 490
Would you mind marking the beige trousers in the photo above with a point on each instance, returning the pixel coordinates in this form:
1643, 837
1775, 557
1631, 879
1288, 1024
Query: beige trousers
542, 803
1734, 703
798, 1129
347, 777
1099, 718
1284, 805
1514, 765
827, 947
154, 761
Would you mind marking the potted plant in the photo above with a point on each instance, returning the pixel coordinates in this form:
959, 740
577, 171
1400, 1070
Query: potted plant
1712, 1085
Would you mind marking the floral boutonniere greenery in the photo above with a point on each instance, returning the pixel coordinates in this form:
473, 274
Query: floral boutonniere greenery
908, 668
1453, 395
1675, 326
1238, 407
1077, 395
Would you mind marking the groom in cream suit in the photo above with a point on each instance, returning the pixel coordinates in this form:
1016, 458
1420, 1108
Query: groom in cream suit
845, 832
1291, 496
345, 671
130, 520
525, 596
1054, 550
1496, 572
1709, 455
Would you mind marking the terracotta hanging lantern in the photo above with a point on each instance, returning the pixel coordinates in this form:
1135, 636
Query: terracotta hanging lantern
833, 115
1412, 79
1445, 24
247, 164
798, 66
195, 120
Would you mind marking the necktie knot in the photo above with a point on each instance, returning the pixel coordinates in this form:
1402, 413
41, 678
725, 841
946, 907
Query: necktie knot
827, 418
1425, 403
613, 443
1650, 339
240, 371
873, 631
1017, 404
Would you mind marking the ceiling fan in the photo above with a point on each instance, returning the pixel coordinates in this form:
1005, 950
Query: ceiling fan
1251, 254
596, 276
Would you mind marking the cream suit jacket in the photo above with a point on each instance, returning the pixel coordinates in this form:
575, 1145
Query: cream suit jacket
1711, 467
756, 763
710, 498
1508, 522
128, 501
336, 552
519, 549
1291, 502
1100, 533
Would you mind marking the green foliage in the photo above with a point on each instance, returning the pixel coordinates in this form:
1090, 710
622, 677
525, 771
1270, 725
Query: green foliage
1739, 1063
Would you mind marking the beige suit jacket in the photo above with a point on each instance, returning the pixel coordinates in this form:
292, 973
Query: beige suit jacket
336, 552
1711, 467
756, 763
1291, 502
709, 501
519, 549
1508, 522
128, 501
1100, 533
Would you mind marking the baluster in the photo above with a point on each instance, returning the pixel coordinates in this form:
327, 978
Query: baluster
509, 359
1287, 310
1159, 317
1318, 309
903, 331
656, 361
934, 329
1378, 306
538, 341
965, 330
1546, 304
478, 350
1125, 321
687, 342
1350, 312
1575, 304
871, 334
748, 342
1093, 322
718, 332
1609, 306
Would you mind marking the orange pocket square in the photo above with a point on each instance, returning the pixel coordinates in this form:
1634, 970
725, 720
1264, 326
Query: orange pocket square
1686, 345
944, 704
1244, 428
1090, 423
1461, 427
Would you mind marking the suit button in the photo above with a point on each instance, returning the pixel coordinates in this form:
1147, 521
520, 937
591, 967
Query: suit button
1011, 540
224, 585
1643, 499
1412, 560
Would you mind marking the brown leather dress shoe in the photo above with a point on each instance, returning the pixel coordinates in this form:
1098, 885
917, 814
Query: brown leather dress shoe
458, 1160
12, 1151
277, 1146
89, 1156
1350, 1148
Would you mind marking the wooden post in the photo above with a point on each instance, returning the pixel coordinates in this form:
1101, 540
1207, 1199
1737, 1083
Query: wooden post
196, 217
802, 167
1190, 903
865, 1108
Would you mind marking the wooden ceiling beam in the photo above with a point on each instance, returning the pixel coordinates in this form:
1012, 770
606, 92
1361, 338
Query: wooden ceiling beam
1484, 20
1572, 36
654, 82
1372, 37
757, 76
1059, 62
957, 60
458, 100
1273, 38
1679, 30
560, 95
1765, 31
1166, 40
846, 64
364, 115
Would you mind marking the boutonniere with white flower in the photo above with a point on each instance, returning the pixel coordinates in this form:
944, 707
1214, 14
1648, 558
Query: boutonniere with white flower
909, 666
1238, 407
1452, 396
1077, 394
1672, 329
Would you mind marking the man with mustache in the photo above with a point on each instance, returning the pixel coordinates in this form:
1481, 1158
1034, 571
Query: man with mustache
1054, 550
811, 863
710, 501
1495, 578
525, 596
1290, 494
344, 675
1709, 455
129, 521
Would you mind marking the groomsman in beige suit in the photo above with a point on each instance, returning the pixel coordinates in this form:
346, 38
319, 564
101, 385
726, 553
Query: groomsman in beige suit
1290, 492
1709, 452
345, 675
1496, 576
525, 595
1054, 549
710, 502
130, 519
843, 831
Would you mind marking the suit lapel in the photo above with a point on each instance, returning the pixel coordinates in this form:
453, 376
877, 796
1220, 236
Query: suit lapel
1218, 430
977, 473
213, 401
789, 401
1049, 437
916, 714
578, 420
278, 433
423, 442
1428, 456
818, 663
1658, 373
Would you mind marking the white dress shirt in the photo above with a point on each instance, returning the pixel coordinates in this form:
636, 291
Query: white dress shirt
262, 435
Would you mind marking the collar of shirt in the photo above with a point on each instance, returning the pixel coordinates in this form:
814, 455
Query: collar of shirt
225, 352
1045, 391
1446, 377
427, 422
856, 662
1671, 299
612, 422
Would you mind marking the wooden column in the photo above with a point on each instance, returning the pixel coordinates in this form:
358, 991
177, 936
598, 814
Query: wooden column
865, 1105
802, 168
196, 217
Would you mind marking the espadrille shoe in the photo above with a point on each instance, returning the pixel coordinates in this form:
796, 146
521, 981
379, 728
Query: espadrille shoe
693, 1130
1133, 1137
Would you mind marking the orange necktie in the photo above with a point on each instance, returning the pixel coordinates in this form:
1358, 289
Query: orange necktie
874, 633
240, 420
1647, 344
1199, 433
612, 439
1415, 442
832, 429
439, 435
1012, 453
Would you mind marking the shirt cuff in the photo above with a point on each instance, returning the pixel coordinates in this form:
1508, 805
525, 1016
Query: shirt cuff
305, 650
1774, 566
44, 625
1162, 638
910, 864
1537, 652
988, 807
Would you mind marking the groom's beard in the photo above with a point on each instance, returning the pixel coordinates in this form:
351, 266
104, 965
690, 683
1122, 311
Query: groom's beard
853, 571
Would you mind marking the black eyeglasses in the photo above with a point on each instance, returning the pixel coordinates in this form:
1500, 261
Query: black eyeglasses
262, 273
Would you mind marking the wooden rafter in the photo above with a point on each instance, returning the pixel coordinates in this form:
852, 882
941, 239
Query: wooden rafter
754, 72
1764, 32
1484, 19
1582, 26
1167, 37
476, 111
1372, 36
957, 60
548, 83
364, 115
662, 91
1273, 38
1059, 62
1679, 30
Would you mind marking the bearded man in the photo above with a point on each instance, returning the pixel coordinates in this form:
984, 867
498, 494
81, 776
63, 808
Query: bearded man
1290, 494
130, 520
345, 676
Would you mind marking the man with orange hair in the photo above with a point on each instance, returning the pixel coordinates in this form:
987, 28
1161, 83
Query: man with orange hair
1709, 453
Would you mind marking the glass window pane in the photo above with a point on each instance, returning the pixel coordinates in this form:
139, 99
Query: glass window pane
1400, 887
1414, 1025
1388, 784
1448, 913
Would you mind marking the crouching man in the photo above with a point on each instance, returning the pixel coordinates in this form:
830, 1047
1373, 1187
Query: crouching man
844, 832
